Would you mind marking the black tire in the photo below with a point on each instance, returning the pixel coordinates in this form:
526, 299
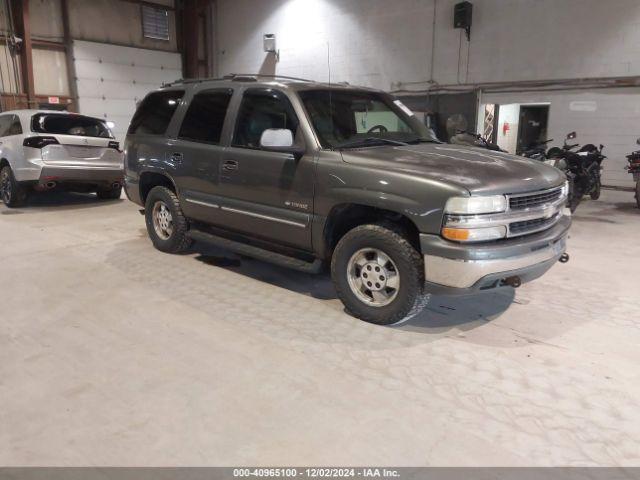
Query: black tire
12, 193
595, 194
638, 193
110, 194
177, 241
410, 298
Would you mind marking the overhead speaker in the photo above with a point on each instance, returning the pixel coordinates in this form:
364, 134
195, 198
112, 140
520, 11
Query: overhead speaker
462, 15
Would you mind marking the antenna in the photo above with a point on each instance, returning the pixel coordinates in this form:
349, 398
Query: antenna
329, 62
330, 92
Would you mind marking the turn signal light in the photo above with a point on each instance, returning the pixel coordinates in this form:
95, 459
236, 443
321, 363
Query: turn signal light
484, 234
39, 142
456, 234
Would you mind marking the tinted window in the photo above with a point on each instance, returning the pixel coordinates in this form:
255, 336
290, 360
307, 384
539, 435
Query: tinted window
259, 111
155, 112
205, 117
5, 124
70, 124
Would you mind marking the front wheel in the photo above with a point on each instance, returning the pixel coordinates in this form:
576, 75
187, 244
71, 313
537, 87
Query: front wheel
595, 193
12, 193
166, 224
379, 275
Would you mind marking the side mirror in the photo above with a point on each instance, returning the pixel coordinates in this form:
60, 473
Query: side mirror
571, 136
279, 140
638, 141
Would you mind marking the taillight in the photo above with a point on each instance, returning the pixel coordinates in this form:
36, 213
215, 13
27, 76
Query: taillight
115, 145
39, 142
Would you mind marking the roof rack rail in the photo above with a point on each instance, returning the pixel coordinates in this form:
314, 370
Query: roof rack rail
236, 77
242, 76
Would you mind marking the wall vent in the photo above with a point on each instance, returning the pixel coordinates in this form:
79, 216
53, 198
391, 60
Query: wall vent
155, 23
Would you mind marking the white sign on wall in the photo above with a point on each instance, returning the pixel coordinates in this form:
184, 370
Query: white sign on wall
583, 106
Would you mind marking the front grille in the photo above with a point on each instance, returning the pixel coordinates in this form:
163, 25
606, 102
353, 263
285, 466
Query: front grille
531, 226
531, 200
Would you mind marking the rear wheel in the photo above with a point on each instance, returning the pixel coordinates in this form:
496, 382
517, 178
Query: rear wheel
110, 194
166, 224
379, 275
12, 193
638, 193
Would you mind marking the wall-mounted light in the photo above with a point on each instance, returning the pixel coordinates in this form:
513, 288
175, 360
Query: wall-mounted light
269, 44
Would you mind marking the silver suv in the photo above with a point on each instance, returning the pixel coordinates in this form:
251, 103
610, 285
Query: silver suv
45, 150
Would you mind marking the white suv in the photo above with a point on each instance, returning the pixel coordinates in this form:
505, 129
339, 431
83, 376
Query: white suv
45, 150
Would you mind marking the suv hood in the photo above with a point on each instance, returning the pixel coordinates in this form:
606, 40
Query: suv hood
477, 170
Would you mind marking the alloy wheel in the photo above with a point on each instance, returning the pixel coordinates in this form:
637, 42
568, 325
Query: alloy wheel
162, 220
373, 277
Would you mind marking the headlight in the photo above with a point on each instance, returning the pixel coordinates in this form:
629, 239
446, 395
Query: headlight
474, 234
565, 189
476, 205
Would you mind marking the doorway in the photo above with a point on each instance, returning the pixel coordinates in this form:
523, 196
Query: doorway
532, 127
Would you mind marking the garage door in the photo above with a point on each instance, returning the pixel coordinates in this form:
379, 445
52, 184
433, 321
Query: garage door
112, 79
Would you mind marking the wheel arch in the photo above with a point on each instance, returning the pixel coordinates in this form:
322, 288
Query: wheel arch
344, 217
150, 179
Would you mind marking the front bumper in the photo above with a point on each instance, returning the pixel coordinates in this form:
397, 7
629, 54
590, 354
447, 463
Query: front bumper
458, 269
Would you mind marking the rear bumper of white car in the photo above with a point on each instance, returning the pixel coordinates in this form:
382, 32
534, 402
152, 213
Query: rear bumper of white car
81, 174
38, 172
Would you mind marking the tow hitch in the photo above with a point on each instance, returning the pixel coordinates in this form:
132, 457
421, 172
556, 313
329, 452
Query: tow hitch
564, 258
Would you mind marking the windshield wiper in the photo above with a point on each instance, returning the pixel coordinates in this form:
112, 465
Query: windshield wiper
363, 142
424, 140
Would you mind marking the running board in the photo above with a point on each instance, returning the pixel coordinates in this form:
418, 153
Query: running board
256, 252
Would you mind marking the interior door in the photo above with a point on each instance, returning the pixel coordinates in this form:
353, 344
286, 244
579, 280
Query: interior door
264, 193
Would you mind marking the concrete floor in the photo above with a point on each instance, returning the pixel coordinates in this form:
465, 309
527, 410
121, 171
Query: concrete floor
112, 353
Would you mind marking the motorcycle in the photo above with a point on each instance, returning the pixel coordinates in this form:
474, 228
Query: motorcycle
582, 169
634, 169
536, 150
463, 137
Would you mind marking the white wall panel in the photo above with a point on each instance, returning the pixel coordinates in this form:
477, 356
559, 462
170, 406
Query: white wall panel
387, 44
50, 72
613, 120
112, 79
383, 42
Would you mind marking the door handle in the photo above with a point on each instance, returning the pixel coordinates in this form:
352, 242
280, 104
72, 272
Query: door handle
176, 157
230, 165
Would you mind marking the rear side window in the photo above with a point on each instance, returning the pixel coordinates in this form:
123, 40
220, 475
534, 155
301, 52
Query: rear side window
259, 111
155, 112
70, 124
5, 124
204, 119
15, 128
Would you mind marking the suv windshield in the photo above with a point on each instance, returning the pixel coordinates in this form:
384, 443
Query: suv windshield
70, 124
349, 119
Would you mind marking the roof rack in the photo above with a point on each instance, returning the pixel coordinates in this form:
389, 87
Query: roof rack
235, 77
243, 76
